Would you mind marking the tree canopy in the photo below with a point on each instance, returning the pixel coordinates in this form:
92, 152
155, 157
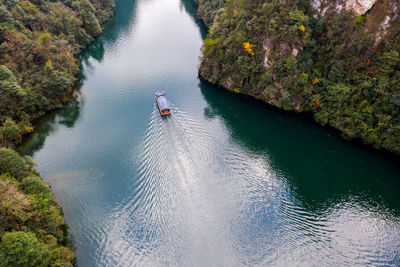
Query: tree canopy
39, 44
337, 65
22, 249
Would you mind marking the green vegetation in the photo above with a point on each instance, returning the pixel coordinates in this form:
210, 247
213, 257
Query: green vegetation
208, 9
40, 41
13, 164
342, 67
32, 228
22, 249
39, 44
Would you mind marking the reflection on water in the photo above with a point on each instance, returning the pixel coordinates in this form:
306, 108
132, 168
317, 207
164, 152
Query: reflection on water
320, 165
224, 181
191, 8
49, 123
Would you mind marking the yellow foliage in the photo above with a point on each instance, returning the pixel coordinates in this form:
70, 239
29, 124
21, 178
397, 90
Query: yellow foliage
27, 88
248, 48
29, 7
45, 39
302, 28
236, 90
235, 13
359, 20
29, 129
316, 80
48, 63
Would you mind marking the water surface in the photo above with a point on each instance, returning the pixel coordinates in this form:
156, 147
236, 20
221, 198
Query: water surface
224, 181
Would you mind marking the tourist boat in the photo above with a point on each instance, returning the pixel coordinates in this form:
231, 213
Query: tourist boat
162, 103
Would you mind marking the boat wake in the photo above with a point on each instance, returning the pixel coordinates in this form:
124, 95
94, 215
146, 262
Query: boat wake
169, 218
199, 200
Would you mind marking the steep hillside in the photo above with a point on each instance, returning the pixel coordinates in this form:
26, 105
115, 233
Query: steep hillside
207, 10
32, 229
338, 60
40, 41
39, 44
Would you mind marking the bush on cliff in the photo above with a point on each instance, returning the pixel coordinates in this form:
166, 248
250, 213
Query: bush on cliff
338, 66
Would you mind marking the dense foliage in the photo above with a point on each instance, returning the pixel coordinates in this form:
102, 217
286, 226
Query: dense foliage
23, 249
343, 68
13, 164
208, 9
32, 229
39, 44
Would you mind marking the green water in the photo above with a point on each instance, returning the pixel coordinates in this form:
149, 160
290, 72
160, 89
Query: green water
224, 181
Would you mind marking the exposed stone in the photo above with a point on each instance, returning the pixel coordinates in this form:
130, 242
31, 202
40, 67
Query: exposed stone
382, 30
360, 6
228, 83
267, 49
379, 19
284, 50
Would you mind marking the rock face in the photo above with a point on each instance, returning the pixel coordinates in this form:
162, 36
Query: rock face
359, 7
379, 17
338, 60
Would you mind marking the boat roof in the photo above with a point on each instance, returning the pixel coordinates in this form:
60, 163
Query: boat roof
162, 101
160, 93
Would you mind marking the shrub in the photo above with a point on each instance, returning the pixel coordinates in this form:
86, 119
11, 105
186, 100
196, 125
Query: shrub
22, 249
9, 133
14, 164
34, 185
11, 95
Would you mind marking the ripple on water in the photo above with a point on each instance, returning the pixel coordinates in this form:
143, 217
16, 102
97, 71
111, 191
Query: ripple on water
211, 203
224, 189
197, 199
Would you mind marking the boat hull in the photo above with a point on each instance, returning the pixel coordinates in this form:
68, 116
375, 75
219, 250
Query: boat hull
162, 112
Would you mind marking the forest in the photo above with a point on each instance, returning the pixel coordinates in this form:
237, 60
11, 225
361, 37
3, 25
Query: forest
339, 63
40, 41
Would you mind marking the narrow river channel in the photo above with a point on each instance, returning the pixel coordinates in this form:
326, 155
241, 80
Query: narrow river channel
224, 181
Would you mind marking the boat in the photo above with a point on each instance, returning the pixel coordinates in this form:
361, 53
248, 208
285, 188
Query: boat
162, 103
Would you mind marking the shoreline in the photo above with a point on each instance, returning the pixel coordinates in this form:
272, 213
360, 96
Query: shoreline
356, 119
33, 218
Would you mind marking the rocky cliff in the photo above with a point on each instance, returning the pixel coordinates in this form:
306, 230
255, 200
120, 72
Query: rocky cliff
338, 60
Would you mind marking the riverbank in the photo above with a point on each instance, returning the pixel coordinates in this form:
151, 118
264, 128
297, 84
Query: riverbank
223, 175
40, 45
339, 66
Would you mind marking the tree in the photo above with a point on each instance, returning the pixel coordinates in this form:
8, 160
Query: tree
22, 249
87, 13
57, 83
11, 94
9, 133
34, 185
5, 15
14, 164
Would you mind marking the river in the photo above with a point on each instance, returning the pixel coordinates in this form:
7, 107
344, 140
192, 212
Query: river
224, 181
